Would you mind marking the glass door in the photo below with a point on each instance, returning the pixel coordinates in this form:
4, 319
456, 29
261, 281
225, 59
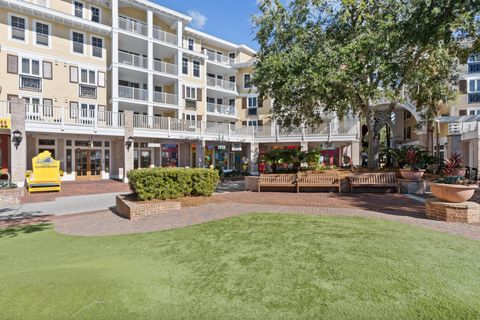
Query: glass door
88, 164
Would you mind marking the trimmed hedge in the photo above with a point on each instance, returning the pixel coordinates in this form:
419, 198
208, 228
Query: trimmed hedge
172, 183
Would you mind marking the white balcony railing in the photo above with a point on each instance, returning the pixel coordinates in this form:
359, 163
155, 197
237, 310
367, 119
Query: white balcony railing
164, 36
220, 58
132, 60
132, 26
165, 67
165, 98
221, 109
220, 83
132, 93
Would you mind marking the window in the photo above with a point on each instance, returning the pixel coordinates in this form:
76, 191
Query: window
191, 44
231, 79
406, 115
196, 69
95, 14
474, 86
18, 28
252, 123
42, 33
246, 81
78, 41
97, 47
78, 9
231, 55
191, 93
252, 102
190, 117
473, 111
407, 133
30, 67
87, 76
185, 66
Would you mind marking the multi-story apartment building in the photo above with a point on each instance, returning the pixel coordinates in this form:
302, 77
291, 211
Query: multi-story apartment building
108, 86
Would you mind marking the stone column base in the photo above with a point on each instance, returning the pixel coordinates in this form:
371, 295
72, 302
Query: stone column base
465, 212
412, 186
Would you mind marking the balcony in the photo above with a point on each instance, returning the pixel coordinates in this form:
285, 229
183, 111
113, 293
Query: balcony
474, 67
220, 58
164, 36
133, 26
132, 60
221, 84
165, 98
89, 92
221, 109
474, 97
132, 93
165, 67
30, 83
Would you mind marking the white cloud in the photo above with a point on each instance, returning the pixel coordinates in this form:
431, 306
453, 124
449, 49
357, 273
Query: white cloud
198, 19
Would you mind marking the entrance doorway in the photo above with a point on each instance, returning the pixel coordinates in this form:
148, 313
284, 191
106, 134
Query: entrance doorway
4, 154
88, 164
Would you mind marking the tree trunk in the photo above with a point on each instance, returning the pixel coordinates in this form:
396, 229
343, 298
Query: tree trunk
373, 140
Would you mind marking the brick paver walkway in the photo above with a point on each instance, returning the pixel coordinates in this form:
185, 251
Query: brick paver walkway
391, 207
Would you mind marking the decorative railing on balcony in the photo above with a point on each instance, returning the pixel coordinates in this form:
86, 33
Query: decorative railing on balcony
473, 67
221, 109
132, 93
220, 83
30, 83
132, 26
165, 67
164, 36
474, 97
86, 91
220, 58
165, 98
37, 113
132, 60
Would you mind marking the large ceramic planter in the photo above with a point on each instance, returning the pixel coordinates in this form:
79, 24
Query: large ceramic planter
453, 192
411, 174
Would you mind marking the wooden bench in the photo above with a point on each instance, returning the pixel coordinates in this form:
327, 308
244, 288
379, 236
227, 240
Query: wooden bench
318, 180
385, 180
277, 180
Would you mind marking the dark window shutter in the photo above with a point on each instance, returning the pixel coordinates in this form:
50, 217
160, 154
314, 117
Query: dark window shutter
462, 112
47, 102
47, 70
199, 118
463, 86
260, 122
244, 123
183, 92
73, 109
199, 94
244, 103
11, 96
73, 74
260, 102
12, 64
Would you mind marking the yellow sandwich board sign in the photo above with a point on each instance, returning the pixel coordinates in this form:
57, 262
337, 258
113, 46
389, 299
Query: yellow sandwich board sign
5, 123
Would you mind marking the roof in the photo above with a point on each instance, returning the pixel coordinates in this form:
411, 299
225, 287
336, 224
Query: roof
220, 42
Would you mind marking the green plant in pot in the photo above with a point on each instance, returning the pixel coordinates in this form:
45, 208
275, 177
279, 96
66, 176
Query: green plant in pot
453, 188
413, 164
454, 166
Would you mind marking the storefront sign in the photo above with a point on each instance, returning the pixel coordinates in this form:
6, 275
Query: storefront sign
4, 123
236, 147
222, 147
154, 145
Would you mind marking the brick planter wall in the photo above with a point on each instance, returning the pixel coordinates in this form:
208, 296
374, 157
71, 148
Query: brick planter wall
134, 210
251, 183
465, 212
10, 196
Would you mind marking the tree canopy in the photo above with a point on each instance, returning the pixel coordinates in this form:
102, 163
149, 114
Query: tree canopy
343, 56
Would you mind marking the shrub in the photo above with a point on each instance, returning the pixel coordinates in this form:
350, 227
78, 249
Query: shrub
172, 183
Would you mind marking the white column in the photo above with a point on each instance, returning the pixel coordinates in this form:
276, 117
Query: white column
200, 154
114, 82
150, 22
304, 146
356, 153
252, 157
115, 14
180, 33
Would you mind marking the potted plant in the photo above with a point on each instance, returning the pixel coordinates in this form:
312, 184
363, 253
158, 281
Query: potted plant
412, 168
453, 189
453, 166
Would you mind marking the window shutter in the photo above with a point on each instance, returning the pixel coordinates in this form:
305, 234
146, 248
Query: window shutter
11, 96
260, 102
12, 64
183, 92
47, 102
73, 109
73, 74
463, 112
244, 103
244, 123
199, 94
260, 122
199, 118
463, 86
101, 79
47, 70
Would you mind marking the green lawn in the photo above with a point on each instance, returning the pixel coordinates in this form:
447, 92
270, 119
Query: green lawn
259, 266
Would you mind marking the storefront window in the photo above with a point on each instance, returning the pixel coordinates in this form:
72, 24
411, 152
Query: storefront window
145, 158
69, 162
135, 159
107, 160
169, 155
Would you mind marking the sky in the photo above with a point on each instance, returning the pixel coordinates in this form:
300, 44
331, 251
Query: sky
226, 19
